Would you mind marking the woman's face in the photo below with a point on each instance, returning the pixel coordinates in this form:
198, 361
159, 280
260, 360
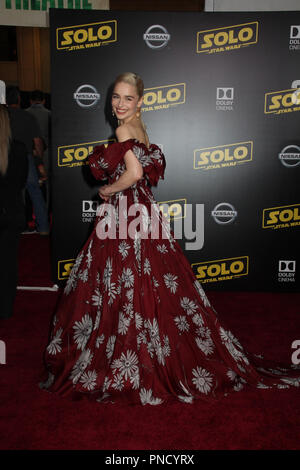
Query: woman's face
125, 101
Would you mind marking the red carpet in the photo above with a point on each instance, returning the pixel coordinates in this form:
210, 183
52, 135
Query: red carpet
34, 255
251, 419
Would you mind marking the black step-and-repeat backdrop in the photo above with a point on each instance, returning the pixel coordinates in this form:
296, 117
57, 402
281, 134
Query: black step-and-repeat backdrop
222, 99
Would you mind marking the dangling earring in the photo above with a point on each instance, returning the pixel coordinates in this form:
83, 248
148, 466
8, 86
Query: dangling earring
112, 112
138, 113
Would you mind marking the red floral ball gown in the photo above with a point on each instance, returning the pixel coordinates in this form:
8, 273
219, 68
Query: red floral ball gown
134, 325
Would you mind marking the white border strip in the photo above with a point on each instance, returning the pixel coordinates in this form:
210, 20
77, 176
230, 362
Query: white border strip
54, 288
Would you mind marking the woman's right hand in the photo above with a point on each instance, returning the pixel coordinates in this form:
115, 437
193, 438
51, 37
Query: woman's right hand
103, 193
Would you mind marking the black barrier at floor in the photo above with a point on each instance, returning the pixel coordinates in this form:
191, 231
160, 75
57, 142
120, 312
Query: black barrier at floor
222, 99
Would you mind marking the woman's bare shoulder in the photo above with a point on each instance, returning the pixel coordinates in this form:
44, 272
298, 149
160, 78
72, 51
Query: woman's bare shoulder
124, 132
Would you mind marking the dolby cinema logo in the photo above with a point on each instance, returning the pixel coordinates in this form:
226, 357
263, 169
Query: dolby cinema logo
89, 211
86, 96
224, 213
294, 38
224, 99
286, 271
290, 156
156, 37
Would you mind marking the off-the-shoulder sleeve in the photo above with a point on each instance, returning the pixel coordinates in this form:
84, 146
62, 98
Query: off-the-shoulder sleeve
154, 165
104, 160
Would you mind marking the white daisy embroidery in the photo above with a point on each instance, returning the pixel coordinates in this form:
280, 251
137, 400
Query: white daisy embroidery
89, 257
162, 249
163, 351
127, 364
238, 386
106, 384
231, 374
127, 277
55, 345
261, 385
72, 280
188, 397
82, 331
202, 380
124, 323
135, 380
129, 295
201, 293
166, 347
198, 320
123, 249
128, 309
110, 346
141, 338
99, 340
81, 364
182, 323
112, 292
206, 345
97, 319
107, 273
97, 298
83, 275
188, 305
147, 266
118, 382
233, 346
291, 381
170, 282
88, 379
102, 163
138, 321
153, 331
148, 399
203, 331
137, 250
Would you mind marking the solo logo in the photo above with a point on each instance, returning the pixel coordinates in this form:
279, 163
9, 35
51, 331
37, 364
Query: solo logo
290, 156
224, 213
223, 156
294, 38
76, 155
163, 97
286, 271
85, 36
281, 217
64, 268
156, 37
227, 38
222, 269
174, 209
284, 101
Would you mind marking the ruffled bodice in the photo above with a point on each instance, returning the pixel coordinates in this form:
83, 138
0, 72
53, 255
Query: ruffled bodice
108, 162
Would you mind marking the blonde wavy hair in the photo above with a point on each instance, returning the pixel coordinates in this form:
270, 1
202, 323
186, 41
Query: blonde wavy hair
5, 135
132, 79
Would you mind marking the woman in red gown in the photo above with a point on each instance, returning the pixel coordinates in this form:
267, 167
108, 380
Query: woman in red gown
134, 325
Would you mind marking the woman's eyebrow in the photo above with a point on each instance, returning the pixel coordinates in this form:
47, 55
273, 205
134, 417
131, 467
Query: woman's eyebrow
126, 96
